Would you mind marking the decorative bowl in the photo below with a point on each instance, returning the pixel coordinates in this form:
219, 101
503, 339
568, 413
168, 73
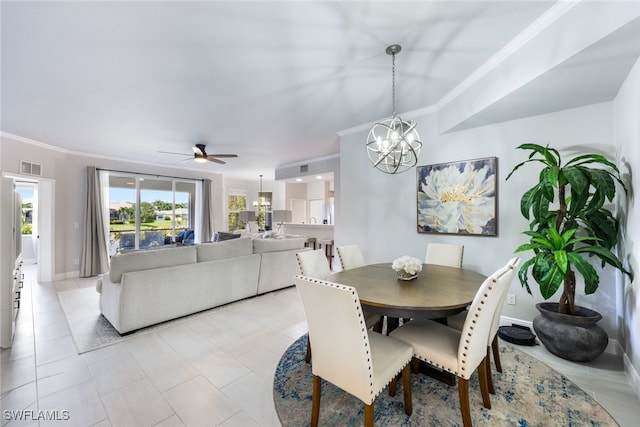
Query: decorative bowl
403, 275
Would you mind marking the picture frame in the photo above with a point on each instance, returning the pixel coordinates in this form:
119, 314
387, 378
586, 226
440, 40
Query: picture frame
458, 197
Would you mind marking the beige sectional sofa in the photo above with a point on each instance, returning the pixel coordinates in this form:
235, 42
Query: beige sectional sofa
148, 287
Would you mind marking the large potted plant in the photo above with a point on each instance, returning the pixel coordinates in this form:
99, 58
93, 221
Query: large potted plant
569, 225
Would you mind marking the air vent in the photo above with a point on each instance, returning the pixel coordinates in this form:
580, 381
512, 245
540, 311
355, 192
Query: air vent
304, 168
30, 168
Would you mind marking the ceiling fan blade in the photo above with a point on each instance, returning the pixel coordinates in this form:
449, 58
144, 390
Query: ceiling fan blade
222, 155
213, 159
170, 152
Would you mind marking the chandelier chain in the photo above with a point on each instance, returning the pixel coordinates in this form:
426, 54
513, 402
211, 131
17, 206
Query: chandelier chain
393, 83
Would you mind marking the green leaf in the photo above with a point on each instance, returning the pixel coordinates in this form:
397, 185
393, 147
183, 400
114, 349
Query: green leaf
540, 208
604, 226
596, 202
604, 254
577, 179
561, 261
533, 233
577, 202
546, 185
555, 238
592, 158
550, 158
554, 173
518, 166
547, 274
602, 180
586, 270
523, 276
528, 200
568, 234
582, 239
546, 152
527, 247
543, 243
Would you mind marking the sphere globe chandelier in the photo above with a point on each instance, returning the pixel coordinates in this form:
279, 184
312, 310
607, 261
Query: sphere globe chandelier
393, 144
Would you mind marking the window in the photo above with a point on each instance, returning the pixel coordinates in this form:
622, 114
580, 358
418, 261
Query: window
27, 194
237, 203
148, 212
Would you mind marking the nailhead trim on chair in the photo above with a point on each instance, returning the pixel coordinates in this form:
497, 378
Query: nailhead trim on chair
365, 336
463, 361
471, 328
340, 258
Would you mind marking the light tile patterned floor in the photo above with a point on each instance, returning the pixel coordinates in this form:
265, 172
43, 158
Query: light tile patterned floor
213, 371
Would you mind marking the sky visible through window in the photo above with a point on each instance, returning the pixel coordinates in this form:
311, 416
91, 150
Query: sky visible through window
26, 193
129, 195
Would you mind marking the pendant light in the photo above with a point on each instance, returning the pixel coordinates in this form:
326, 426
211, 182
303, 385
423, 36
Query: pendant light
393, 145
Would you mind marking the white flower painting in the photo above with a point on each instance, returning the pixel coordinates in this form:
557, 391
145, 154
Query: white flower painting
458, 198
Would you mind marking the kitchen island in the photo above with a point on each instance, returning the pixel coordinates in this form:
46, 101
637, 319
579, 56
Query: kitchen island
319, 231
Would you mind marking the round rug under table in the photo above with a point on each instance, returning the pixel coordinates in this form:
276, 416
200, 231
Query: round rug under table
528, 393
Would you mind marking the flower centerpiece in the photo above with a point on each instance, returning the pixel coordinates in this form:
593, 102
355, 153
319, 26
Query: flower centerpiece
407, 267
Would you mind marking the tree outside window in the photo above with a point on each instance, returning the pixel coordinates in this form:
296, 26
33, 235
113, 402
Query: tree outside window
237, 203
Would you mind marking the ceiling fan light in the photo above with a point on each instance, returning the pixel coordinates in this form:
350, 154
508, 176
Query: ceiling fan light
200, 159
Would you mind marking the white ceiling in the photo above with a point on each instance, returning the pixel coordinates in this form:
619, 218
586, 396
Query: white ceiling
270, 81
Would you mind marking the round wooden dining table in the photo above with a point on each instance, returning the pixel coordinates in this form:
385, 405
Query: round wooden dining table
437, 292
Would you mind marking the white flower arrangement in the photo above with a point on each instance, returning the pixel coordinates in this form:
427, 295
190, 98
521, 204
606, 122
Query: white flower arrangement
407, 264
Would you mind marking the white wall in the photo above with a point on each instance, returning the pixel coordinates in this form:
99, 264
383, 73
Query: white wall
626, 109
378, 211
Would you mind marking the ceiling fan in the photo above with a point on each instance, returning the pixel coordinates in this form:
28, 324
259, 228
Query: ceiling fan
200, 155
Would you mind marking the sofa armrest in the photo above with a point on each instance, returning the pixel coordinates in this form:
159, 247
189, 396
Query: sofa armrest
278, 269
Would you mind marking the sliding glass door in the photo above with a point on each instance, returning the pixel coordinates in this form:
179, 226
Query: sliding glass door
148, 212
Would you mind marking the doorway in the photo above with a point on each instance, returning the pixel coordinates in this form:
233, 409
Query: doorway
42, 215
29, 220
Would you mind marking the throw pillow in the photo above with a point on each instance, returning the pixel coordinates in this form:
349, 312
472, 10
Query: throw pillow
221, 236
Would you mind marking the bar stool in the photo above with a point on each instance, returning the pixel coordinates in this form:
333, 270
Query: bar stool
327, 245
309, 241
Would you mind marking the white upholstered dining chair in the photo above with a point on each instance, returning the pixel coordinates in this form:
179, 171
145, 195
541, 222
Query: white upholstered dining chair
446, 254
457, 322
460, 352
350, 256
346, 353
314, 264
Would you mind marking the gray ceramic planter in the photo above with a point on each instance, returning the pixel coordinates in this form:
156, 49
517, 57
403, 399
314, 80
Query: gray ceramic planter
577, 338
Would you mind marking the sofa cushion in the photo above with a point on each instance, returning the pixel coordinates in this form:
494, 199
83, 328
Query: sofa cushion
273, 245
223, 250
146, 260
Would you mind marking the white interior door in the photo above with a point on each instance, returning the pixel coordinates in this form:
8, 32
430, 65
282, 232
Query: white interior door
45, 251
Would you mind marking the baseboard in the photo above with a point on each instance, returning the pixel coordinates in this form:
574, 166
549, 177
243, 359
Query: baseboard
508, 321
632, 375
68, 275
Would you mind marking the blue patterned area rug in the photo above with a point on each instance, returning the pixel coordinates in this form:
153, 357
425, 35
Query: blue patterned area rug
528, 393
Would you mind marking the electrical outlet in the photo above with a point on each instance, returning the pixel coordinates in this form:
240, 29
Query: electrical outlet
76, 261
511, 299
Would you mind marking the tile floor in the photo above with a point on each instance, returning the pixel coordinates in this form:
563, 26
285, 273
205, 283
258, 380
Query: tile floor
212, 371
